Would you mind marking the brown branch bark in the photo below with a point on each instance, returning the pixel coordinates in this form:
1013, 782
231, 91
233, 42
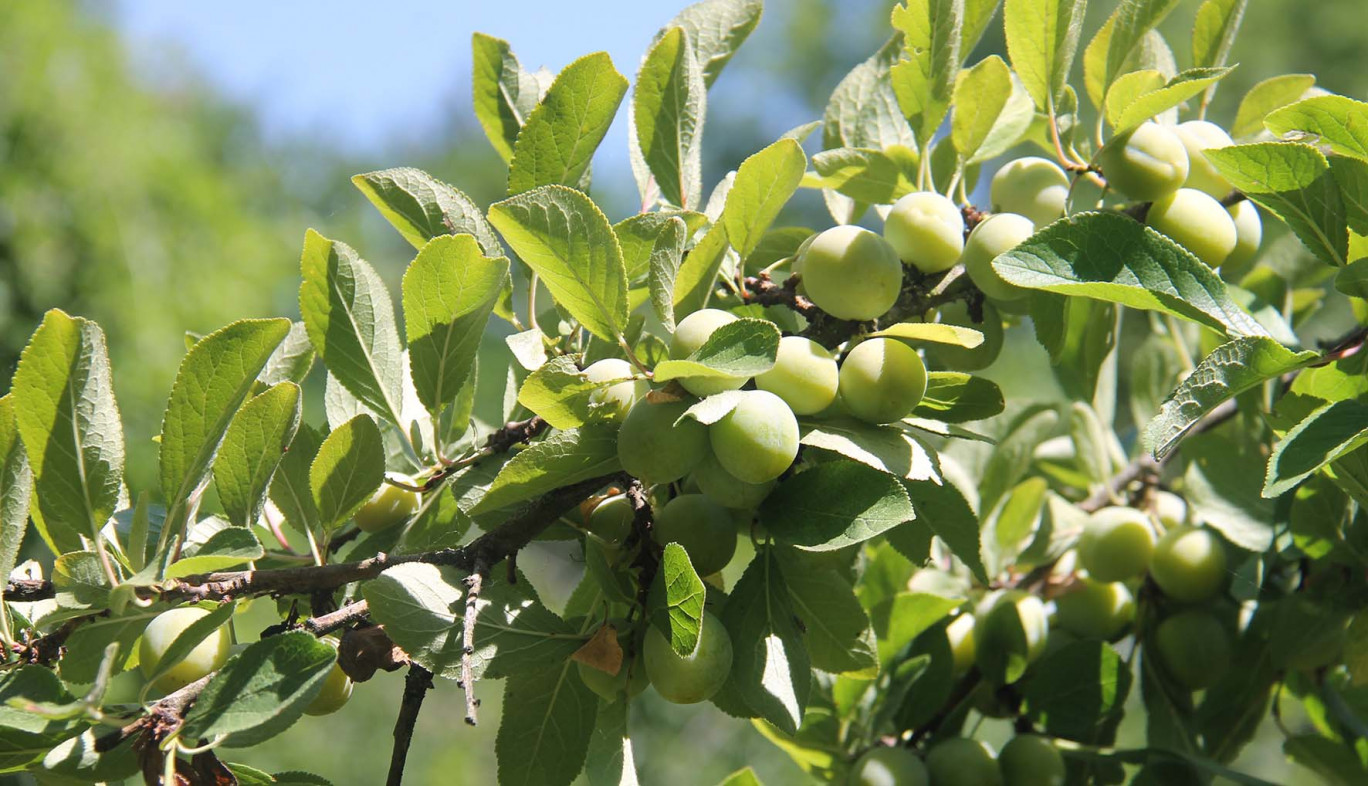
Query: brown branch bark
327, 623
416, 685
28, 590
474, 583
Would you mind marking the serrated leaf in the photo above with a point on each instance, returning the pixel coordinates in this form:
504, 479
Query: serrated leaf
1327, 434
991, 112
924, 79
1219, 493
764, 183
16, 493
1127, 108
933, 332
190, 637
504, 94
227, 548
863, 110
836, 630
667, 254
698, 270
943, 510
676, 600
885, 448
770, 668
26, 736
563, 131
905, 616
1124, 32
563, 236
639, 235
349, 467
291, 361
78, 581
1113, 258
1010, 462
1042, 39
1351, 175
1074, 690
1336, 121
868, 175
1266, 97
834, 505
716, 29
1213, 32
422, 207
515, 633
668, 109
561, 459
421, 608
290, 489
548, 719
85, 648
251, 451
954, 397
742, 348
559, 392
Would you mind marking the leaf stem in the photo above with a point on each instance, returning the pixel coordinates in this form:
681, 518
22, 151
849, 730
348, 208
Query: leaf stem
631, 357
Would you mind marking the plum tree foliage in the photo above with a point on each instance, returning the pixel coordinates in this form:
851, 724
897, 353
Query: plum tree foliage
1155, 511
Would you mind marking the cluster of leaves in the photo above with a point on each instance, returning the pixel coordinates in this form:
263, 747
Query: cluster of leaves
862, 556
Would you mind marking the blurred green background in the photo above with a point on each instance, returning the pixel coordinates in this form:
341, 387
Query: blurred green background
160, 162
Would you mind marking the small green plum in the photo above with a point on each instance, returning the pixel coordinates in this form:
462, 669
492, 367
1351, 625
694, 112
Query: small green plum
1197, 137
851, 273
926, 230
1196, 222
693, 332
1033, 187
758, 439
631, 678
1248, 236
1145, 163
336, 691
1096, 609
1193, 647
1189, 564
1171, 509
691, 678
656, 449
703, 527
960, 633
882, 380
1031, 760
994, 236
209, 655
804, 375
1116, 544
1009, 634
889, 766
620, 397
726, 489
611, 519
960, 761
389, 506
963, 358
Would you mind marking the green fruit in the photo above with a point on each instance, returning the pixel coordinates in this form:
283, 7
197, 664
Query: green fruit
882, 380
804, 375
1196, 222
693, 332
962, 358
1009, 634
1096, 610
960, 761
758, 439
994, 236
1248, 236
387, 507
616, 399
654, 449
960, 633
1031, 760
1116, 544
631, 678
1032, 187
209, 655
726, 489
703, 527
886, 766
612, 519
1146, 163
1189, 564
851, 273
1197, 137
1193, 647
336, 690
691, 678
1171, 509
926, 230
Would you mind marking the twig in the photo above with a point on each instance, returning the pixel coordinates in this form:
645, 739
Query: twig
647, 560
327, 623
28, 590
474, 582
416, 685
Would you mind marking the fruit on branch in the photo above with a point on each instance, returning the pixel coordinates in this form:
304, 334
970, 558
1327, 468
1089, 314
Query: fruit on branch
693, 332
1196, 222
1145, 163
1193, 647
336, 691
1033, 187
611, 519
389, 506
703, 527
964, 358
617, 399
209, 655
1009, 634
654, 448
1198, 136
758, 439
1031, 760
885, 766
882, 380
926, 230
960, 634
994, 236
1171, 509
1096, 609
1189, 564
851, 273
1116, 544
804, 375
1248, 236
691, 678
726, 489
960, 761
631, 678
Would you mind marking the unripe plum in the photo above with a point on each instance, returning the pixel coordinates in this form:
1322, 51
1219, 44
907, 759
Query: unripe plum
851, 273
804, 375
960, 761
1116, 544
889, 766
1194, 648
1171, 509
1189, 564
336, 691
1033, 187
611, 519
960, 633
209, 655
1096, 609
693, 332
1031, 760
758, 439
1197, 137
926, 230
653, 448
618, 398
882, 380
1248, 236
1009, 634
726, 489
631, 678
1145, 163
964, 358
703, 527
994, 236
691, 678
387, 507
1196, 222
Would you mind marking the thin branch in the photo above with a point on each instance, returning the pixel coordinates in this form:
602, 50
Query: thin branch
416, 685
28, 590
327, 623
474, 582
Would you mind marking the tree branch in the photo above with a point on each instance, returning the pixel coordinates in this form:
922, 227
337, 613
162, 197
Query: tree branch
28, 590
416, 685
474, 582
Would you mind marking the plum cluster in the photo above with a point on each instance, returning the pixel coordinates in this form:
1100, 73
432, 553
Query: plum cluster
1026, 760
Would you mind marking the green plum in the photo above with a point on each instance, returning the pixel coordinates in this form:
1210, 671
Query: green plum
1033, 187
1171, 509
960, 761
851, 273
804, 375
926, 230
1248, 236
1193, 647
1197, 137
656, 449
1116, 544
882, 380
962, 358
617, 399
631, 677
1145, 163
960, 633
726, 489
691, 678
758, 439
703, 527
1096, 609
1189, 564
389, 506
888, 766
611, 519
994, 236
336, 691
1009, 634
1031, 760
693, 332
1196, 222
207, 656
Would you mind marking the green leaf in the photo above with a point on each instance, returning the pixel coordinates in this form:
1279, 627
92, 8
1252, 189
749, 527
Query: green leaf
1214, 32
449, 292
227, 548
1042, 39
925, 79
953, 397
251, 451
561, 459
676, 602
1075, 690
16, 493
504, 93
290, 362
991, 111
548, 719
666, 256
1293, 182
563, 236
836, 630
716, 29
763, 185
770, 668
1109, 257
1353, 279
1266, 97
863, 109
1336, 121
290, 489
1329, 433
834, 505
422, 207
885, 448
1219, 491
934, 332
609, 761
351, 323
1128, 108
190, 637
63, 395
85, 648
348, 469
639, 236
742, 348
515, 633
742, 777
668, 109
79, 581
1229, 370
563, 131
1015, 451
1125, 30
868, 175
26, 736
559, 392
1351, 174
905, 616
421, 609
942, 509
262, 691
